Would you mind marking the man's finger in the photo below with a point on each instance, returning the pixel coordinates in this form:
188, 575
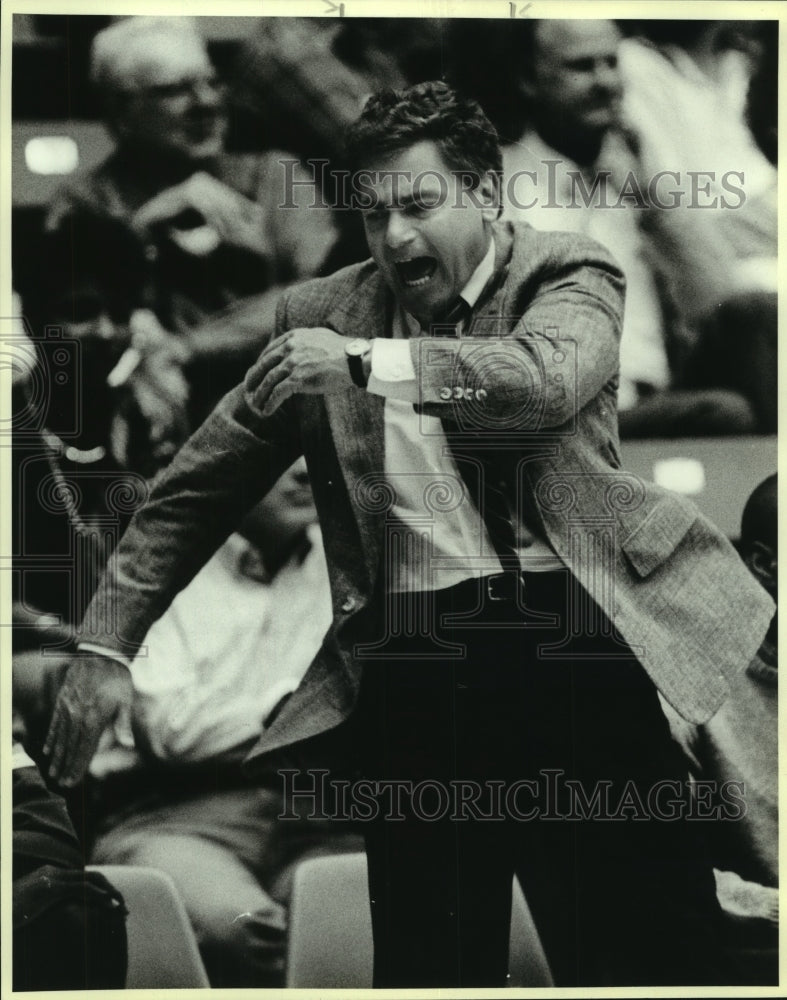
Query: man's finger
51, 736
123, 731
81, 753
80, 745
275, 378
282, 391
53, 743
66, 735
259, 395
272, 355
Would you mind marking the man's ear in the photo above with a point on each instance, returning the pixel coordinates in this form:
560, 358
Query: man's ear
763, 564
488, 195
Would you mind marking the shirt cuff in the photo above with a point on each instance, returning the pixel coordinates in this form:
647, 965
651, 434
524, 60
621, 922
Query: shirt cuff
393, 374
111, 654
20, 758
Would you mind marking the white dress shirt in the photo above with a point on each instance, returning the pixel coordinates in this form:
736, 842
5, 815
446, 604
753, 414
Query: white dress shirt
437, 535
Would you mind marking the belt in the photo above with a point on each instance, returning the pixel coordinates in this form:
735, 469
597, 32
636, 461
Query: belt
547, 588
505, 586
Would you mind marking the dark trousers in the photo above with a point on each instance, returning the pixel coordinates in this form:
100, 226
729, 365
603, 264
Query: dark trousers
526, 749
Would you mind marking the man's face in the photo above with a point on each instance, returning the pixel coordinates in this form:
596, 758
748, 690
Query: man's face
762, 561
286, 511
426, 234
575, 73
174, 104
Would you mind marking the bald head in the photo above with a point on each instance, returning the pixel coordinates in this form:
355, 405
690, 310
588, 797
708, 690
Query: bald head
759, 533
573, 76
124, 54
759, 522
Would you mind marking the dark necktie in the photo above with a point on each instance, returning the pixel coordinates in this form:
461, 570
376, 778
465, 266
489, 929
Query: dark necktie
488, 497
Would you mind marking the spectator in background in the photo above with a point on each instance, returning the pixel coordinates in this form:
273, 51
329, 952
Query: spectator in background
57, 554
219, 663
571, 78
171, 254
739, 744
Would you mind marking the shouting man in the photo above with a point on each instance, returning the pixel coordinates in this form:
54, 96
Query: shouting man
498, 686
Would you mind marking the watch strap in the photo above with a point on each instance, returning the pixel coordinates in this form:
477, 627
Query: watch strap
357, 370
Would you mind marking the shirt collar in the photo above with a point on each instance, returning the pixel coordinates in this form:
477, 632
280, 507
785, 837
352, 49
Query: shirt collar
243, 560
235, 554
405, 323
479, 278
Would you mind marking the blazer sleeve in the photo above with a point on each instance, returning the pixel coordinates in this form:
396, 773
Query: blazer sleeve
538, 365
225, 468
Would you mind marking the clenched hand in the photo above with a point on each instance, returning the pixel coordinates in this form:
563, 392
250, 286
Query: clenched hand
309, 360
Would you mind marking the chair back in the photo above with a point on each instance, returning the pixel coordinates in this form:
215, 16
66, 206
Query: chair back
162, 948
330, 929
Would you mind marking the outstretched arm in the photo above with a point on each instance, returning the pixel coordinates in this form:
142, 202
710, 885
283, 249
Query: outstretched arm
219, 474
529, 370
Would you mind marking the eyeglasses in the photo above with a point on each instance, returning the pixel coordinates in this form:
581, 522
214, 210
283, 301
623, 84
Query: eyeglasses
190, 87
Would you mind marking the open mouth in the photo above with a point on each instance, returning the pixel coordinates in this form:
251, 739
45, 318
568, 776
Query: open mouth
416, 271
604, 102
202, 127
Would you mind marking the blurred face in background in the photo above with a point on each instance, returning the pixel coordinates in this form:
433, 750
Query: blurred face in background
170, 100
285, 513
574, 79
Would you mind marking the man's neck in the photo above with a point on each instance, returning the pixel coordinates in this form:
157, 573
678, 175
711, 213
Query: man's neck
276, 550
579, 145
154, 170
482, 274
474, 287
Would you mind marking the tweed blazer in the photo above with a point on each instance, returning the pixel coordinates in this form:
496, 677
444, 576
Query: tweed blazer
536, 380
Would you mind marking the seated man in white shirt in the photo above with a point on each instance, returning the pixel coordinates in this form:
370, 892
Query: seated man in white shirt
231, 647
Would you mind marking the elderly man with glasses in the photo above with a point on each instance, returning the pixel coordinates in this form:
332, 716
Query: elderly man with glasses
173, 246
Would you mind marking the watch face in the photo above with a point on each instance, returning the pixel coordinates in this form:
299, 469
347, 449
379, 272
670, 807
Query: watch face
357, 347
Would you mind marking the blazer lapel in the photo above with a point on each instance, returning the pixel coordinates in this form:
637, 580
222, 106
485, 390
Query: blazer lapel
356, 418
489, 299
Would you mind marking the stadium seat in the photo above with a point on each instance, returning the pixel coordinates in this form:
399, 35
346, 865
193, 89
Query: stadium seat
330, 929
162, 948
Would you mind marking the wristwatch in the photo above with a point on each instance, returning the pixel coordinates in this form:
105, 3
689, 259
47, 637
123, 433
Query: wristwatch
357, 351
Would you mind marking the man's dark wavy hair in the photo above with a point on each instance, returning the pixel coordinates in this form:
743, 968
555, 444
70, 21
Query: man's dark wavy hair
397, 119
